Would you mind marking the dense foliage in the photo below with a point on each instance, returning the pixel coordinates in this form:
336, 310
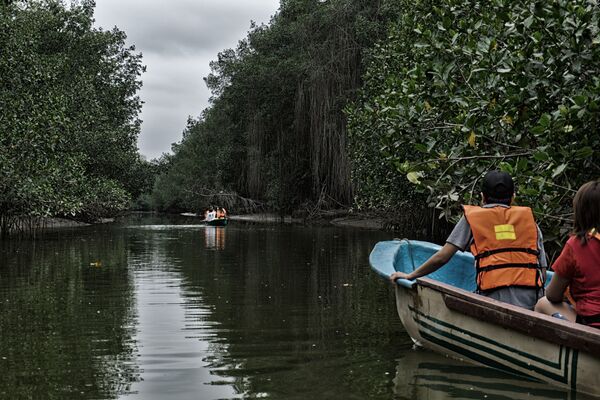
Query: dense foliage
203, 164
275, 131
68, 113
464, 86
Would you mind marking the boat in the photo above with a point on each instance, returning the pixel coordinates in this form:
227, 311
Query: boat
217, 222
441, 312
214, 222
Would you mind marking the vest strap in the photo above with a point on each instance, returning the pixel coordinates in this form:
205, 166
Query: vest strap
488, 253
501, 266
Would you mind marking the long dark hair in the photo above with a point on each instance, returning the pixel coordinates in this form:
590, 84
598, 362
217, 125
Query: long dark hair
586, 209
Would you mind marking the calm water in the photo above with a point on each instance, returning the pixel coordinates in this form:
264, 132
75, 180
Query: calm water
152, 308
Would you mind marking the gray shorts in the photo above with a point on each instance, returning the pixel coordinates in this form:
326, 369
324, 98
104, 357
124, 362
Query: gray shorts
518, 296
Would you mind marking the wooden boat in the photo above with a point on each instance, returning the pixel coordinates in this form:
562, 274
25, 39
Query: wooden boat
217, 222
441, 312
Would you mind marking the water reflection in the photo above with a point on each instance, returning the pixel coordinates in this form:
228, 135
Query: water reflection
149, 310
292, 306
214, 237
172, 348
421, 374
66, 319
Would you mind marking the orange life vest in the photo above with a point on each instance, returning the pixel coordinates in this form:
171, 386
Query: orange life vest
504, 246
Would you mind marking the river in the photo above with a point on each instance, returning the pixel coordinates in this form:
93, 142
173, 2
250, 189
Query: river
155, 307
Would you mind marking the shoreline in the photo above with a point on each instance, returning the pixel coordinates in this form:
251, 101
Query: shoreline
352, 221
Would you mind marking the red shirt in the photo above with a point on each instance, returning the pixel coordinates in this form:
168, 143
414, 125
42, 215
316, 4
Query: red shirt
580, 265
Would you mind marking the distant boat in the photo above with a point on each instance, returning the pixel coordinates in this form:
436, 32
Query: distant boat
223, 221
217, 222
441, 312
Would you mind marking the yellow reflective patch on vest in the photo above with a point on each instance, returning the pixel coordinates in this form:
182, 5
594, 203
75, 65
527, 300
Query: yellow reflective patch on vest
505, 232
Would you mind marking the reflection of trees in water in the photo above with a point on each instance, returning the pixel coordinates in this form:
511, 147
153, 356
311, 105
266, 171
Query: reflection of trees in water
66, 316
297, 309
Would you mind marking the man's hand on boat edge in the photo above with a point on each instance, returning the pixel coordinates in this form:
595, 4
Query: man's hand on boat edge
400, 275
435, 262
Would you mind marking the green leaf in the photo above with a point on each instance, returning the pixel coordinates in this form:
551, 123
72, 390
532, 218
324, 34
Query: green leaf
537, 130
421, 147
415, 177
545, 120
584, 152
580, 100
506, 167
558, 170
563, 110
529, 191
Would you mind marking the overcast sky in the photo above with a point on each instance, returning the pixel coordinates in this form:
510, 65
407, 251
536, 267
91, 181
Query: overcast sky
178, 39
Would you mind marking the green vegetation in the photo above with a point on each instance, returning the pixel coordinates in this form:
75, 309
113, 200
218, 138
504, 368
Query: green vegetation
460, 87
275, 131
68, 114
445, 94
383, 105
399, 106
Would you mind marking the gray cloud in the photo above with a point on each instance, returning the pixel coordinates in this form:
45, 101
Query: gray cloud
178, 40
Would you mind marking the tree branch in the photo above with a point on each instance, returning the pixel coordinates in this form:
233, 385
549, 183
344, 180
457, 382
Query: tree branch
449, 159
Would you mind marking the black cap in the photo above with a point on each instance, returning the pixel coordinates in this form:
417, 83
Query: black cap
498, 185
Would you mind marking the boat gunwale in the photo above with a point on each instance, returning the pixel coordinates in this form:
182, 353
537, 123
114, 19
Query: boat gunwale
547, 328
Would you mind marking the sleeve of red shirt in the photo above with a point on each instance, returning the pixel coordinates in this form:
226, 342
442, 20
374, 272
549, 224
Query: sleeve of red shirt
565, 263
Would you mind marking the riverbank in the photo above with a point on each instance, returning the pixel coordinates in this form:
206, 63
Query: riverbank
355, 221
30, 226
49, 223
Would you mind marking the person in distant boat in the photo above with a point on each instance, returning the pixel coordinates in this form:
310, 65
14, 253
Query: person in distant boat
211, 214
578, 266
510, 260
220, 213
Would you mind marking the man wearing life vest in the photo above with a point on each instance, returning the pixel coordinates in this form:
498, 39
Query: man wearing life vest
506, 242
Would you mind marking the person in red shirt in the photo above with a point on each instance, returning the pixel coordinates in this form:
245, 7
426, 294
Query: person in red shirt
578, 266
